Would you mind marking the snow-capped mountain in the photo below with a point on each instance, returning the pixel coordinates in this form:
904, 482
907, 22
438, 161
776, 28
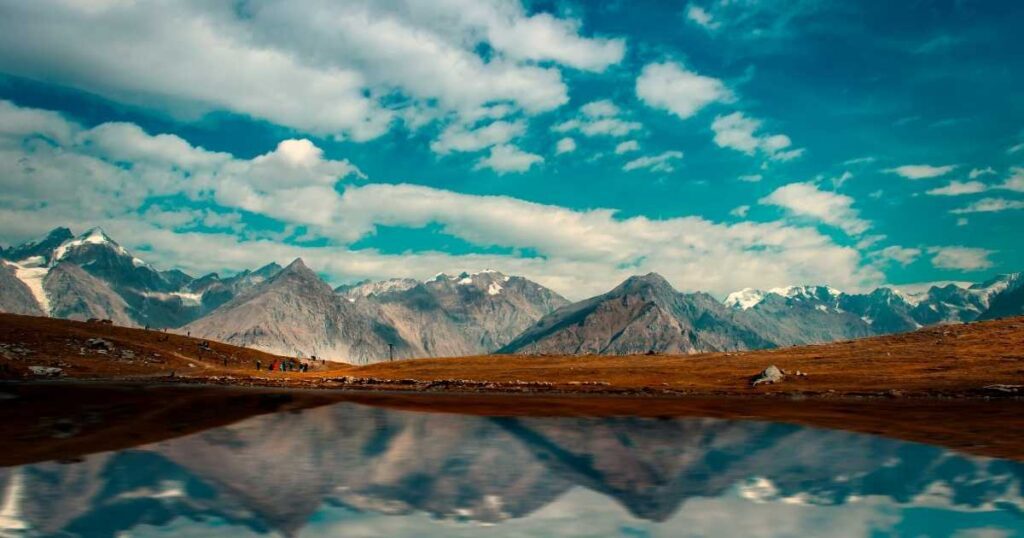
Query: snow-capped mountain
92, 276
887, 310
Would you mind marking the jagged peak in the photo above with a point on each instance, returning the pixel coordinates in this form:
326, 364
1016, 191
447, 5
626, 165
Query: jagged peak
268, 269
637, 283
92, 236
298, 264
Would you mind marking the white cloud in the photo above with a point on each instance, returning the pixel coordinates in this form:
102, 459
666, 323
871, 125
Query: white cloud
751, 178
901, 255
627, 147
957, 188
978, 172
508, 158
859, 160
1015, 182
670, 86
325, 68
701, 17
459, 137
565, 145
841, 179
990, 205
578, 252
807, 200
1016, 148
961, 258
663, 162
738, 132
921, 171
962, 221
740, 211
599, 118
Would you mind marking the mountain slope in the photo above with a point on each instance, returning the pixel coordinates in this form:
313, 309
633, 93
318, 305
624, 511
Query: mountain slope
643, 314
78, 295
297, 313
462, 315
15, 295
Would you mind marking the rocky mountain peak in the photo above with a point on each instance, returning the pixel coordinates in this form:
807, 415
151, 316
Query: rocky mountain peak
651, 283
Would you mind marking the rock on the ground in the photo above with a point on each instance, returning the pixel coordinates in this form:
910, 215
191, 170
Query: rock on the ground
98, 343
47, 371
769, 375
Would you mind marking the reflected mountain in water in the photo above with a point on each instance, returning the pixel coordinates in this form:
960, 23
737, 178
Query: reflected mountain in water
363, 471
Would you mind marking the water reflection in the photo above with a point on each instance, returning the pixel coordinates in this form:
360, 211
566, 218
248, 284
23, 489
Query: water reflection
351, 470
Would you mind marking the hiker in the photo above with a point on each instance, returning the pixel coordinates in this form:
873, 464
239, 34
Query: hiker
258, 365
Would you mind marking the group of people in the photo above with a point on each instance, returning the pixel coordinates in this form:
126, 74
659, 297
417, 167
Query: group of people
284, 366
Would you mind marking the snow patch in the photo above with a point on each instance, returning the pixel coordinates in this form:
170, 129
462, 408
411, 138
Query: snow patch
494, 289
32, 275
95, 236
745, 298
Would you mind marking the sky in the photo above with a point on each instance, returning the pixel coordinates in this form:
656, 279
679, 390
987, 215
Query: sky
721, 143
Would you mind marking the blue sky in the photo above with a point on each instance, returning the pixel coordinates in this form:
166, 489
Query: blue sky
724, 144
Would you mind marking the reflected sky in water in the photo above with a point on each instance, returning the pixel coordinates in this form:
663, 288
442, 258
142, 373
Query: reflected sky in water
350, 470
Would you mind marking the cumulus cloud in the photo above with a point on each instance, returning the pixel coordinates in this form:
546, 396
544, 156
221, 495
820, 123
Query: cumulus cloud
326, 68
921, 171
990, 205
507, 158
670, 86
807, 200
565, 145
960, 258
626, 147
738, 132
304, 192
599, 118
663, 162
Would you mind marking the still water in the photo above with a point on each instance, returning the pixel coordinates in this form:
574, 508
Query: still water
351, 470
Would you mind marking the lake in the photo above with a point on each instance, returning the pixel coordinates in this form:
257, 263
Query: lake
353, 470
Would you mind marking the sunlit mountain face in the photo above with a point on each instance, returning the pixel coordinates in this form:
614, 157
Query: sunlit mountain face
723, 144
361, 471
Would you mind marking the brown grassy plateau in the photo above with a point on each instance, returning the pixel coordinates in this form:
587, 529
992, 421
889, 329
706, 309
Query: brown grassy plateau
927, 386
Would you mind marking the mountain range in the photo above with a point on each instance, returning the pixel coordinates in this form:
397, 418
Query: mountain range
292, 311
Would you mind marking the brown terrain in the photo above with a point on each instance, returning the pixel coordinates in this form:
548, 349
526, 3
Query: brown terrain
957, 386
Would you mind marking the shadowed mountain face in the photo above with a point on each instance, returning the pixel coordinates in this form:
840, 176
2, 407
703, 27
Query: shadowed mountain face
336, 470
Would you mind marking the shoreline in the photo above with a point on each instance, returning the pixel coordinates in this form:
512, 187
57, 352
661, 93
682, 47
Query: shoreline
992, 427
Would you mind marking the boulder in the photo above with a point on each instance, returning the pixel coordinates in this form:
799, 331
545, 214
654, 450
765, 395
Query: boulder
46, 371
770, 375
98, 343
